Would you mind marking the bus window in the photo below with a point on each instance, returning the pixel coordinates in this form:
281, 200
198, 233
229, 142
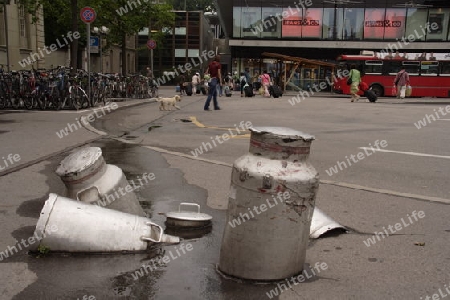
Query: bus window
373, 66
445, 68
393, 66
429, 68
412, 67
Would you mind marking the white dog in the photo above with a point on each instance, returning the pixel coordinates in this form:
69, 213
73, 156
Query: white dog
169, 102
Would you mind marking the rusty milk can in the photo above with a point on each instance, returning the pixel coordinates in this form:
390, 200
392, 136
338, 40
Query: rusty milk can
271, 204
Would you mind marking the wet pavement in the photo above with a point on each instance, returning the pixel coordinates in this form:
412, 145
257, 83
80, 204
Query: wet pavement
394, 268
190, 274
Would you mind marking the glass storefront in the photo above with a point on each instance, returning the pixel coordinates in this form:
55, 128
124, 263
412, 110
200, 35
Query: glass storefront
293, 22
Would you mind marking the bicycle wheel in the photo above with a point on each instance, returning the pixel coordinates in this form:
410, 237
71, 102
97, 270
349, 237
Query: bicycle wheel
55, 99
106, 95
3, 95
28, 101
15, 100
42, 101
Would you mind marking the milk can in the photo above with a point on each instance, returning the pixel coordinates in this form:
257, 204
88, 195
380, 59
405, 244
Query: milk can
73, 226
271, 203
89, 179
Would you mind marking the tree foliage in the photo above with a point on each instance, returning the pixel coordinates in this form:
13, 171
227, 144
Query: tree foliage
123, 18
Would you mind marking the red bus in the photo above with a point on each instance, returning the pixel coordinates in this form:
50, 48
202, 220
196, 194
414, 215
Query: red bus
428, 78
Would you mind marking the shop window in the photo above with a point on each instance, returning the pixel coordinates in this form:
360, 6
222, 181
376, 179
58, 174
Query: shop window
353, 24
438, 20
415, 20
270, 25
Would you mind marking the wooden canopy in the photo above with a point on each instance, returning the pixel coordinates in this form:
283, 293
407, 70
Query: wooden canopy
299, 59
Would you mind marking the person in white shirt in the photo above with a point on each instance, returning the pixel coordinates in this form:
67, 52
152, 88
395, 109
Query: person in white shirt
195, 83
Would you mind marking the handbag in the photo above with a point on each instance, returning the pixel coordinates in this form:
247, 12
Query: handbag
349, 80
394, 91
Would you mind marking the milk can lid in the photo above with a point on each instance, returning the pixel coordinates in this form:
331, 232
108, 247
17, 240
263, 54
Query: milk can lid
283, 131
79, 161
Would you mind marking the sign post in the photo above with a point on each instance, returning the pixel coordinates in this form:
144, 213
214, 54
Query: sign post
151, 44
88, 15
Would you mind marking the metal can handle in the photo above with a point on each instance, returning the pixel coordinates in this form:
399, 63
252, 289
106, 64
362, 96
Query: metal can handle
189, 204
87, 189
149, 238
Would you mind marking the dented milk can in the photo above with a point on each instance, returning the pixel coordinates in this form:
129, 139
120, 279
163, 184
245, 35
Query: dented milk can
89, 179
73, 226
271, 203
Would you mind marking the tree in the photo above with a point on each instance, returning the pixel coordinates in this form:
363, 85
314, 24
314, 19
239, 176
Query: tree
123, 18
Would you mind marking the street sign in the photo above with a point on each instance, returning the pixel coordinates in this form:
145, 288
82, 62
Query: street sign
87, 15
151, 44
95, 44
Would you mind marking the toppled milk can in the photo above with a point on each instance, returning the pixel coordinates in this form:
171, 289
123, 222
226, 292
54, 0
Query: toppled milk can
271, 203
89, 179
73, 226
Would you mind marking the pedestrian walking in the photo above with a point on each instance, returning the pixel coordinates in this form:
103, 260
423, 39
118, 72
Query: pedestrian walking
265, 80
195, 83
355, 77
214, 70
242, 82
401, 81
181, 81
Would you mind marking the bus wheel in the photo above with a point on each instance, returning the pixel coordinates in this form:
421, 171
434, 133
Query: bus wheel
378, 90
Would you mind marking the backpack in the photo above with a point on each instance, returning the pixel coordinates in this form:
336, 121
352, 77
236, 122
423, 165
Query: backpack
243, 80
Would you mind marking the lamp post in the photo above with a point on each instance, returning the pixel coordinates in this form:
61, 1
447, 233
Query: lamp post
102, 31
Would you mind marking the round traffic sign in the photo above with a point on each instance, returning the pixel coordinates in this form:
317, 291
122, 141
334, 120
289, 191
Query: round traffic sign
151, 44
87, 14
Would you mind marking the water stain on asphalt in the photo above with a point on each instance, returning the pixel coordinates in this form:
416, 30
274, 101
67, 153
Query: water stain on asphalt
185, 275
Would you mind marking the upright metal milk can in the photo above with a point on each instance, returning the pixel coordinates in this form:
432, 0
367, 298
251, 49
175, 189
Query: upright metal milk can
271, 203
89, 179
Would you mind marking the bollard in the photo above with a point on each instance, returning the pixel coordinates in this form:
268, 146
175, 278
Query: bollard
271, 203
89, 179
73, 226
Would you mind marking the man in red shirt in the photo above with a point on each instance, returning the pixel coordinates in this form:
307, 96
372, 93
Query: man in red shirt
214, 70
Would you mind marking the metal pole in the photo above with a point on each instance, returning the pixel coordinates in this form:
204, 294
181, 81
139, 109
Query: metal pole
151, 60
88, 50
5, 15
101, 58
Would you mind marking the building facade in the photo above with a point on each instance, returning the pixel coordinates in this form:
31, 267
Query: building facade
20, 37
190, 37
328, 28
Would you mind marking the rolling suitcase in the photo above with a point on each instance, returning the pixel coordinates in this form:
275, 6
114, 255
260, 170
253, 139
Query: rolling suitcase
370, 94
227, 91
275, 91
189, 89
248, 91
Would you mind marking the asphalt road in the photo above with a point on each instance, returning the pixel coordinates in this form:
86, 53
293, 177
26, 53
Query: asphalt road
379, 190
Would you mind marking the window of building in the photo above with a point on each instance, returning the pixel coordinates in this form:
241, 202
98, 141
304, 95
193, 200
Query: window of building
415, 18
438, 22
251, 17
312, 23
394, 23
333, 22
2, 29
23, 27
270, 26
353, 24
